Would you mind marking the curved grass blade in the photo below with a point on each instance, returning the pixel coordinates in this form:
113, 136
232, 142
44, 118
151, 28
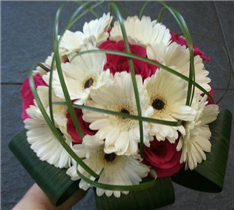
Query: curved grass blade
143, 9
55, 183
184, 28
74, 19
133, 76
43, 67
50, 90
56, 56
123, 115
50, 87
125, 11
155, 63
182, 24
160, 15
162, 194
54, 129
231, 71
142, 186
70, 22
91, 10
122, 8
60, 74
88, 8
209, 175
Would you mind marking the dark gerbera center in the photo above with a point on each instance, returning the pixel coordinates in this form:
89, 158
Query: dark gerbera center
110, 157
88, 83
125, 111
158, 104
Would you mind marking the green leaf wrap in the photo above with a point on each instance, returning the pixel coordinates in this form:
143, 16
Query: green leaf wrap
162, 194
55, 183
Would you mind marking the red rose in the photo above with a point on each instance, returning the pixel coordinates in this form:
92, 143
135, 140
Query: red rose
182, 41
26, 93
163, 158
72, 130
118, 63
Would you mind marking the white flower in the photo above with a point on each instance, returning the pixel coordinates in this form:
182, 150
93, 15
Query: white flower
95, 32
121, 135
144, 32
117, 170
167, 94
196, 142
178, 56
42, 140
83, 73
47, 64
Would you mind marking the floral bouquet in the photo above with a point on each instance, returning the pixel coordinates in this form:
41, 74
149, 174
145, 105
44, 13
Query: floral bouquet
125, 107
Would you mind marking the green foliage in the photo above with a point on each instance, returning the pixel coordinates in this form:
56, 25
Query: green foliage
55, 183
162, 194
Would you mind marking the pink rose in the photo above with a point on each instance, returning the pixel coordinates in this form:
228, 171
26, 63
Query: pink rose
182, 41
72, 130
118, 63
27, 95
163, 158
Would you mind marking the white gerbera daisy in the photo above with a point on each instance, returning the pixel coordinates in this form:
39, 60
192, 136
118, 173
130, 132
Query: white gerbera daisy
42, 140
47, 64
196, 142
82, 74
95, 32
144, 32
121, 135
117, 170
167, 94
178, 56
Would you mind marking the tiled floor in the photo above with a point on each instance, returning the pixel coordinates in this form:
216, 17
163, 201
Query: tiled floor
27, 38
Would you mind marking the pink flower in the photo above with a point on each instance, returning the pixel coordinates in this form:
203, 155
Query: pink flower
72, 130
182, 41
118, 63
163, 158
27, 95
